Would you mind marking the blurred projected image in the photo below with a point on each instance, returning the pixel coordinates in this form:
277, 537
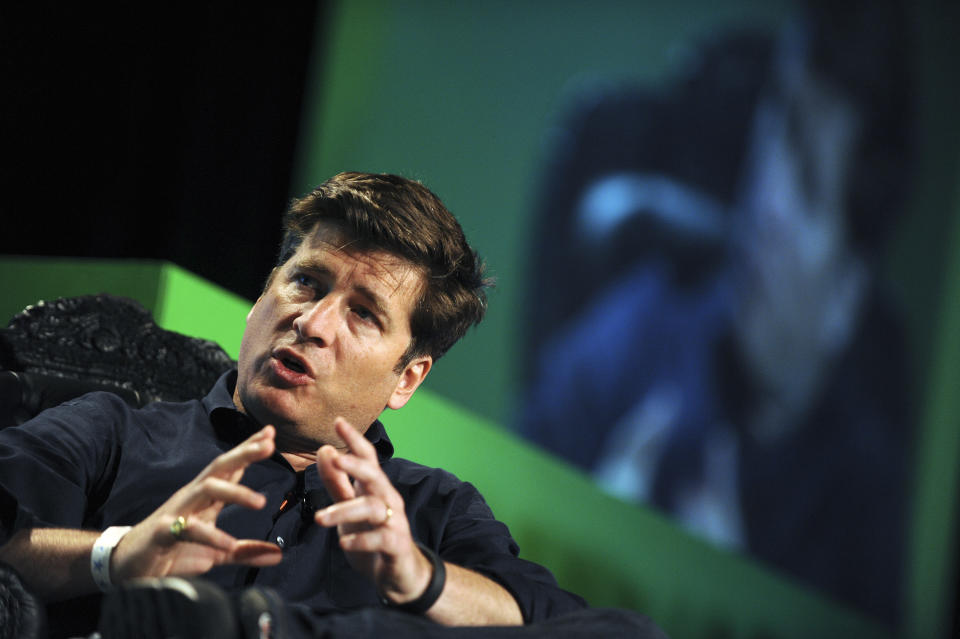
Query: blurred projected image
709, 332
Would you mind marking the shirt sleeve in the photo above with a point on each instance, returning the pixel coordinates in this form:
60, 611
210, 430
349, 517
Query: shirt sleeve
458, 524
54, 464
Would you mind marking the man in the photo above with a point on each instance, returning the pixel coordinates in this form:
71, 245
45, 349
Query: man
282, 478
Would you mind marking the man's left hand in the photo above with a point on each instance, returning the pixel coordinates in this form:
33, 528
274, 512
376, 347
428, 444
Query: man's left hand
370, 518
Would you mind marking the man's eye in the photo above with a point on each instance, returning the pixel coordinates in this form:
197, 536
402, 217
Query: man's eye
304, 280
365, 314
307, 281
308, 284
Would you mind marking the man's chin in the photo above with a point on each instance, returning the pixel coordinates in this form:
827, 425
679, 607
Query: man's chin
274, 406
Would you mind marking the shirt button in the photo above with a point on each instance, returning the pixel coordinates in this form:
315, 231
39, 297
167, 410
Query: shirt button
280, 542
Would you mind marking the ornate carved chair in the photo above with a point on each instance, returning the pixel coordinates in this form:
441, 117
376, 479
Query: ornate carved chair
54, 351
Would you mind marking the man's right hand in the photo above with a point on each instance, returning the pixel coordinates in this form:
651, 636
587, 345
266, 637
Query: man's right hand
151, 549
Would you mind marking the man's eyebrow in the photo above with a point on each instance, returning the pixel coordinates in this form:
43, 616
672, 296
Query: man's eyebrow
313, 265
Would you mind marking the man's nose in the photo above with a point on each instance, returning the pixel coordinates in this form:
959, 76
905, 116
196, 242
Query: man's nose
318, 321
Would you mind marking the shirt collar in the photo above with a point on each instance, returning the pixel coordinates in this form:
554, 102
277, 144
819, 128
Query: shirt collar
222, 412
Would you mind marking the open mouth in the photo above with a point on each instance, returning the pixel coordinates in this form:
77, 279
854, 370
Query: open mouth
293, 365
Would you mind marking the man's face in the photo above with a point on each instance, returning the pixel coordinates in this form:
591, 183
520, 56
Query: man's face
324, 339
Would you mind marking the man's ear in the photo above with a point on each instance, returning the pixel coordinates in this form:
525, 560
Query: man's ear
410, 379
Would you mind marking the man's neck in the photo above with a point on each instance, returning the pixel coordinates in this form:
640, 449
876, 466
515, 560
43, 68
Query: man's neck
299, 461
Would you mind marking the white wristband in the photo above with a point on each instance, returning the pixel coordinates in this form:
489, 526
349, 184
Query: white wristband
100, 555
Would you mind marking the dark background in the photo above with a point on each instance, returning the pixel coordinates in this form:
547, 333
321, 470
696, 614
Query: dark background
179, 125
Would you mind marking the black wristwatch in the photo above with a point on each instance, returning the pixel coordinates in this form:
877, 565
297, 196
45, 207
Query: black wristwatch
429, 597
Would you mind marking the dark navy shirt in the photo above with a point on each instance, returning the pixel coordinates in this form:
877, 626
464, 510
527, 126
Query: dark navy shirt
96, 462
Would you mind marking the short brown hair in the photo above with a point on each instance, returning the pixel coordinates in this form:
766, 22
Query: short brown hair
402, 217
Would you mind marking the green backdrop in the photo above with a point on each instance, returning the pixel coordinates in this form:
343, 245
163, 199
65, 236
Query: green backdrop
463, 96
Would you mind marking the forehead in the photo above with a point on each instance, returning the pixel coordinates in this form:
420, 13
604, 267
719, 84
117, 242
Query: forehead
329, 250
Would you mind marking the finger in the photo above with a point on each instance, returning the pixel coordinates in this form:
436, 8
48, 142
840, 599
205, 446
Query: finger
378, 540
214, 489
251, 552
370, 475
335, 480
266, 432
198, 532
356, 442
363, 510
258, 446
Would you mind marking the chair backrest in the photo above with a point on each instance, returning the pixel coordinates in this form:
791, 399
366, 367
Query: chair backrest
54, 351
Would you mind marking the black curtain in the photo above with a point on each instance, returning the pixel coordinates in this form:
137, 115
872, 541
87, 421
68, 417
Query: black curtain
152, 132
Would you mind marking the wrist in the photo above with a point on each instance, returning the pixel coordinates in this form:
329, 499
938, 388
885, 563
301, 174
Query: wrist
101, 554
434, 585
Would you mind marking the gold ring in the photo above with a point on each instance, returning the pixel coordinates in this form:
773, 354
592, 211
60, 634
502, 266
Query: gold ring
389, 514
178, 527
